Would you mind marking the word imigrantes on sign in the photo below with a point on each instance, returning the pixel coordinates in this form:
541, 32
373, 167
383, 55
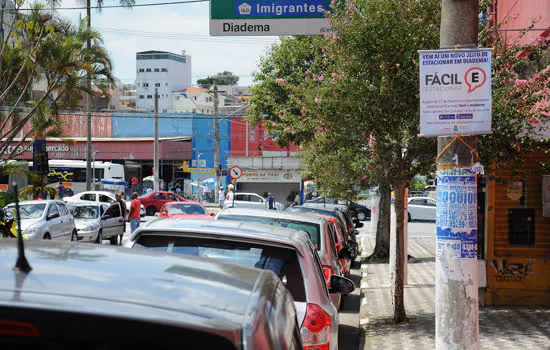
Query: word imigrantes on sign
264, 17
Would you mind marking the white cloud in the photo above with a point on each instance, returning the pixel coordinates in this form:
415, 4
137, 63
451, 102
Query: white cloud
209, 54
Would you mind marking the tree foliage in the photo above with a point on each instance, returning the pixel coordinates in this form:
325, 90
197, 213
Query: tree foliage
222, 78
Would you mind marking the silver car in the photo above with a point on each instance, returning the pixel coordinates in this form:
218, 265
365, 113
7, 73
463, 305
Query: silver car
75, 293
316, 226
44, 219
288, 253
421, 208
91, 226
248, 200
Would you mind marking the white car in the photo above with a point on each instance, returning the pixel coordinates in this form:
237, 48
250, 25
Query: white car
91, 196
44, 219
248, 200
97, 221
421, 208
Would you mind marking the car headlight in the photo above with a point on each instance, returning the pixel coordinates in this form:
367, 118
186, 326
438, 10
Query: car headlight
90, 227
30, 231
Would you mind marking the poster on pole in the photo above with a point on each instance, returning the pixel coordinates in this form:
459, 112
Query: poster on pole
455, 92
269, 17
456, 213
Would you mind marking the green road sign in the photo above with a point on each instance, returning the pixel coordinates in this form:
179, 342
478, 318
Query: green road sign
266, 17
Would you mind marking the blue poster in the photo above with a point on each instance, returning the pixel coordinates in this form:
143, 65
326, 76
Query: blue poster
456, 213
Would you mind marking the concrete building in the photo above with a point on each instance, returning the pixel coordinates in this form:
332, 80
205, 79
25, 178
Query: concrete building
167, 71
195, 100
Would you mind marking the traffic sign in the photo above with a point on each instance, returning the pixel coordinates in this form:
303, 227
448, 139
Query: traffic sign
266, 17
236, 172
201, 171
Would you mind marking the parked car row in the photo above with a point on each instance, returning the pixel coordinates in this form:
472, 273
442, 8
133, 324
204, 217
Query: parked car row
294, 262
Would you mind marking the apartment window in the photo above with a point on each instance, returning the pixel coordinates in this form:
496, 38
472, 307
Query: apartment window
148, 70
149, 96
164, 111
142, 70
195, 97
145, 84
164, 70
138, 84
166, 84
141, 97
157, 70
157, 84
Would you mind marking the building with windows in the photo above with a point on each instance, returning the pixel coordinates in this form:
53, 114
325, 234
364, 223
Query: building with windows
195, 100
167, 71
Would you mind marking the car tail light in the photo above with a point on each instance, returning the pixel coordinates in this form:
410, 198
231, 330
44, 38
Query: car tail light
328, 271
18, 328
315, 330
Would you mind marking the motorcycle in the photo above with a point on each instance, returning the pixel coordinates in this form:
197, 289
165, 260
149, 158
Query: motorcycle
8, 227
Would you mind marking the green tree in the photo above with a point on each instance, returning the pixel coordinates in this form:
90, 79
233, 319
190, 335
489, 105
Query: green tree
222, 78
356, 110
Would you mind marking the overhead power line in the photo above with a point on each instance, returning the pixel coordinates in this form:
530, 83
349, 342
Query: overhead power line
112, 6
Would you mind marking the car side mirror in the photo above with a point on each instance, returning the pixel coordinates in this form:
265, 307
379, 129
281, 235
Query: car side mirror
341, 285
106, 216
52, 216
345, 253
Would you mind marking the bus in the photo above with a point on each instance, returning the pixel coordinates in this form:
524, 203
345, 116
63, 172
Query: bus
72, 173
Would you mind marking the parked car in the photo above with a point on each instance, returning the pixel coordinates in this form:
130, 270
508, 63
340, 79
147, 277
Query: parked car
91, 196
289, 253
154, 201
421, 208
83, 296
317, 228
341, 242
248, 200
187, 210
363, 212
93, 225
356, 210
44, 219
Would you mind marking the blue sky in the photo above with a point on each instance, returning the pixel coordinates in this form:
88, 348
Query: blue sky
171, 28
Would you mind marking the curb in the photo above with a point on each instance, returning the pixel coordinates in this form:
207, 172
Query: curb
363, 321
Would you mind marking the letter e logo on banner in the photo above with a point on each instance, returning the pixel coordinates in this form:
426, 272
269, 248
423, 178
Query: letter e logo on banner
475, 77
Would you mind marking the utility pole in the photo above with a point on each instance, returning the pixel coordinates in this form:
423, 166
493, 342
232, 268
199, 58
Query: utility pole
456, 292
156, 146
88, 109
216, 141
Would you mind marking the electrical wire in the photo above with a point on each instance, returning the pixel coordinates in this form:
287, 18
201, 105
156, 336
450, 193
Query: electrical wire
110, 6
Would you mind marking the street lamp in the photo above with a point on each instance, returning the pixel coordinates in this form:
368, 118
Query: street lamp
93, 163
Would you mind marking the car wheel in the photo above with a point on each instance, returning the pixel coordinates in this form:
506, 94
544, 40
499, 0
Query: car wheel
74, 237
113, 240
361, 216
47, 236
409, 215
99, 238
150, 211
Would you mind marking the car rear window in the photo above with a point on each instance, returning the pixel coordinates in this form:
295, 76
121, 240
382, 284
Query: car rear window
31, 328
311, 228
282, 261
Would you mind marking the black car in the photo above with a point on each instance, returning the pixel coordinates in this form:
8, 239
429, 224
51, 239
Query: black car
357, 210
363, 213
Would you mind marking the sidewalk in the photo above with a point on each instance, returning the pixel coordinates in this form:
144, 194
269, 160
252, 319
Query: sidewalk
500, 328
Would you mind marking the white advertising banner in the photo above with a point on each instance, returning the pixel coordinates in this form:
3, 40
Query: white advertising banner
455, 92
257, 175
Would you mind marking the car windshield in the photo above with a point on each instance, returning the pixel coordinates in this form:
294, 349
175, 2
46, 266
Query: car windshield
282, 261
176, 209
85, 212
27, 211
311, 228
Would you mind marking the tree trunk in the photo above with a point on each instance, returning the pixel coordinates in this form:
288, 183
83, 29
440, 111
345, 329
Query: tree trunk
382, 248
398, 276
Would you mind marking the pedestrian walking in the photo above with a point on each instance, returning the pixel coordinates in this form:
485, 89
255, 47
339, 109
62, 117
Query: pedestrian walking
221, 197
134, 215
134, 182
270, 202
60, 189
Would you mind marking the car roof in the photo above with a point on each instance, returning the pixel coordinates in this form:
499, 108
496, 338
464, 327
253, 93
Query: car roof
411, 198
226, 228
277, 214
316, 209
188, 202
97, 192
41, 201
141, 284
86, 203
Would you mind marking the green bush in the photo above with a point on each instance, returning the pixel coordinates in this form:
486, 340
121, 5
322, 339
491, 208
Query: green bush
6, 198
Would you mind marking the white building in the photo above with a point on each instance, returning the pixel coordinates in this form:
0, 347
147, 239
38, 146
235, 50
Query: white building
167, 71
195, 100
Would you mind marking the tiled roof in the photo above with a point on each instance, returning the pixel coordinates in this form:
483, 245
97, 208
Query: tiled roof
194, 89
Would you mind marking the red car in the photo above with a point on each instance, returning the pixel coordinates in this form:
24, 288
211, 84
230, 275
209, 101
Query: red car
340, 241
154, 201
189, 210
